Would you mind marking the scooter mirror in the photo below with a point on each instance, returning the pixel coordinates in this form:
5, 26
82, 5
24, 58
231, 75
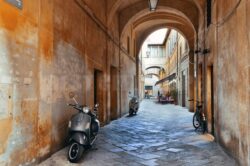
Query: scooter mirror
71, 95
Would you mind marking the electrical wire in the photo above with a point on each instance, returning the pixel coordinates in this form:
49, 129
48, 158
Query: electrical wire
225, 19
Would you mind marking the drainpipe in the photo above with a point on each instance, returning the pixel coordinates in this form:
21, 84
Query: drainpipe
137, 73
142, 85
120, 87
196, 70
177, 68
204, 71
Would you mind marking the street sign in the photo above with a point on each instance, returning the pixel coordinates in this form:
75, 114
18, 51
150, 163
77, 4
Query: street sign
16, 3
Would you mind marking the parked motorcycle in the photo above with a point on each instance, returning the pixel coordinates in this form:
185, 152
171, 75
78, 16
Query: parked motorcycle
133, 105
83, 128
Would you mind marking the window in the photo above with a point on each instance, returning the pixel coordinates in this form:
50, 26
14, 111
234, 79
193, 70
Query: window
160, 52
148, 87
148, 76
172, 42
156, 51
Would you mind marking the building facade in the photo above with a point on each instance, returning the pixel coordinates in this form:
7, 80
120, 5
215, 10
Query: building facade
152, 58
174, 79
49, 48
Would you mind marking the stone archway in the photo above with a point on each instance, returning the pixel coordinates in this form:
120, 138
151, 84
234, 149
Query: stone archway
136, 22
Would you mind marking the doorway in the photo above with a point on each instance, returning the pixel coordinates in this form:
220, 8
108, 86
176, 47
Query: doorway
183, 89
98, 93
113, 93
210, 100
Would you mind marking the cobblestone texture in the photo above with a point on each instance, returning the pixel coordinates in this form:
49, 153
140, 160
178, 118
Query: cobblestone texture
158, 135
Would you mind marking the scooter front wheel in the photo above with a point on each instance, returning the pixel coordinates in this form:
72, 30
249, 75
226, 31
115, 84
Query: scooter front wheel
196, 121
75, 152
131, 112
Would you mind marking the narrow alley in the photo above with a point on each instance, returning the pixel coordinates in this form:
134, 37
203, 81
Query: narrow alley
157, 135
104, 58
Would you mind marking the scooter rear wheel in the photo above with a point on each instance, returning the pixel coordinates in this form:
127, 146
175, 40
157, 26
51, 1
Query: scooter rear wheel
75, 152
204, 127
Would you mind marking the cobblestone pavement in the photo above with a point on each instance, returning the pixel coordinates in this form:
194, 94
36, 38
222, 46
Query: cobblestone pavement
158, 135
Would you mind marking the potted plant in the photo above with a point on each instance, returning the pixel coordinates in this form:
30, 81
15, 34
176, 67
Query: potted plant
174, 95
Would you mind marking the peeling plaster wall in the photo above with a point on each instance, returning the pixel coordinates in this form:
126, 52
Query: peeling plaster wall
233, 104
229, 45
19, 59
48, 49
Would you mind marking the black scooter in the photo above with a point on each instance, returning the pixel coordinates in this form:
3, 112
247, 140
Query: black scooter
83, 128
133, 104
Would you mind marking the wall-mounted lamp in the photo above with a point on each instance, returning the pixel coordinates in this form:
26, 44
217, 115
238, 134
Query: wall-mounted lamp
206, 51
197, 51
152, 4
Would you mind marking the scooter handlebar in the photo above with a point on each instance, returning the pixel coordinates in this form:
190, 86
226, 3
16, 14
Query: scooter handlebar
76, 106
195, 101
72, 105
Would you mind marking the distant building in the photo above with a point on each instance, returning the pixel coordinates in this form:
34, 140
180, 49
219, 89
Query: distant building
173, 77
152, 60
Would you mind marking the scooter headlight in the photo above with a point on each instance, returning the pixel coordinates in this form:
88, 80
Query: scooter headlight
86, 110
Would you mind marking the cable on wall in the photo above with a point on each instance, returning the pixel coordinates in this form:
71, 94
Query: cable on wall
225, 19
101, 25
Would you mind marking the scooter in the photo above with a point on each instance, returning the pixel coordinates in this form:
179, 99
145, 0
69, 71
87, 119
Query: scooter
133, 105
83, 129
